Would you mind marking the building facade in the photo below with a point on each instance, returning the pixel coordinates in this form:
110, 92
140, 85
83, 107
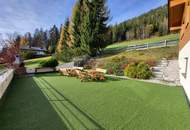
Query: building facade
179, 18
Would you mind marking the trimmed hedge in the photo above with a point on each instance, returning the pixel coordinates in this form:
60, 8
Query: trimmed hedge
49, 63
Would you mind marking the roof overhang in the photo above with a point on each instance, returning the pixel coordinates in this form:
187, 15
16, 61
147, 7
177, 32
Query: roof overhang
176, 11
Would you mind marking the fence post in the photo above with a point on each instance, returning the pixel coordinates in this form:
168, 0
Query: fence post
165, 43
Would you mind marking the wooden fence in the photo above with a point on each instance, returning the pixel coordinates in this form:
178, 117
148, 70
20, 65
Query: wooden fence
165, 43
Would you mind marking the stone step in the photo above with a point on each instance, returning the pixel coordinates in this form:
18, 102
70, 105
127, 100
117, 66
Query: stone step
157, 69
157, 73
162, 65
158, 78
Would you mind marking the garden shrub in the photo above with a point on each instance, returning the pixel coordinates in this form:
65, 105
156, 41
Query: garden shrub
131, 70
68, 54
143, 71
49, 63
138, 70
115, 68
28, 55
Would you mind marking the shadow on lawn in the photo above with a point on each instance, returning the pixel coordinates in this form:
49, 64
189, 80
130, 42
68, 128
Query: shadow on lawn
69, 112
26, 108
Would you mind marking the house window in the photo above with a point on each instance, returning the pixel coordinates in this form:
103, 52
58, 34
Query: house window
186, 66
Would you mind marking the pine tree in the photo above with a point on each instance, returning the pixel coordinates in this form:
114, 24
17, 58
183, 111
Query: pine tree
76, 24
53, 38
63, 41
86, 27
101, 14
94, 26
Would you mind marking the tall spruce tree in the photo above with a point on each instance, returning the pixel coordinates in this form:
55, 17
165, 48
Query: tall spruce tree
94, 26
101, 15
86, 27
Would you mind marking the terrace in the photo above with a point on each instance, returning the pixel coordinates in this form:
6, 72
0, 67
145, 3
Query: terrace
51, 101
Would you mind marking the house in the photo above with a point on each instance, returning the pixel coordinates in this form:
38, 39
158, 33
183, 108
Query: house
39, 51
179, 18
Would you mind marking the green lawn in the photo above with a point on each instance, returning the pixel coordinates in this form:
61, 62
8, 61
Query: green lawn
136, 42
53, 102
35, 63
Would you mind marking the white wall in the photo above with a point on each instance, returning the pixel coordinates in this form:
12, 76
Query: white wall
185, 53
5, 80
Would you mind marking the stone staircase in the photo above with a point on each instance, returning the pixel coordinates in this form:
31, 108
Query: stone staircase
158, 70
167, 70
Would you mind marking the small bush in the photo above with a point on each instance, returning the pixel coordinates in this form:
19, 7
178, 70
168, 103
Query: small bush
131, 70
115, 68
28, 55
143, 71
138, 70
49, 63
68, 54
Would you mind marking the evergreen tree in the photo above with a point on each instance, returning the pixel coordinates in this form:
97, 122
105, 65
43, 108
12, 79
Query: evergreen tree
53, 38
94, 26
63, 41
75, 24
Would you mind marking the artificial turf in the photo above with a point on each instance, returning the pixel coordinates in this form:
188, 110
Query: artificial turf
53, 102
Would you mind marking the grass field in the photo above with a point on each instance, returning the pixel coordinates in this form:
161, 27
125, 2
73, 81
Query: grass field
53, 102
142, 55
137, 42
35, 63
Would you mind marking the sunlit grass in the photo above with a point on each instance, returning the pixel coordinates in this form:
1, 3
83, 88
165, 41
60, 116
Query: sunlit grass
52, 101
137, 42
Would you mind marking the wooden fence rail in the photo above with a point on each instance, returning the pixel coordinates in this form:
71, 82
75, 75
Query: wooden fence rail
165, 43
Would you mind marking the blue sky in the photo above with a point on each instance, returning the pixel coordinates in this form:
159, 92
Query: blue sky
25, 15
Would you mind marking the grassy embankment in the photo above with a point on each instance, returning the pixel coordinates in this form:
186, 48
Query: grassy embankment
141, 55
137, 42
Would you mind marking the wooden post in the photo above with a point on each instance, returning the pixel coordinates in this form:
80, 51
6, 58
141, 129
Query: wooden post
165, 43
